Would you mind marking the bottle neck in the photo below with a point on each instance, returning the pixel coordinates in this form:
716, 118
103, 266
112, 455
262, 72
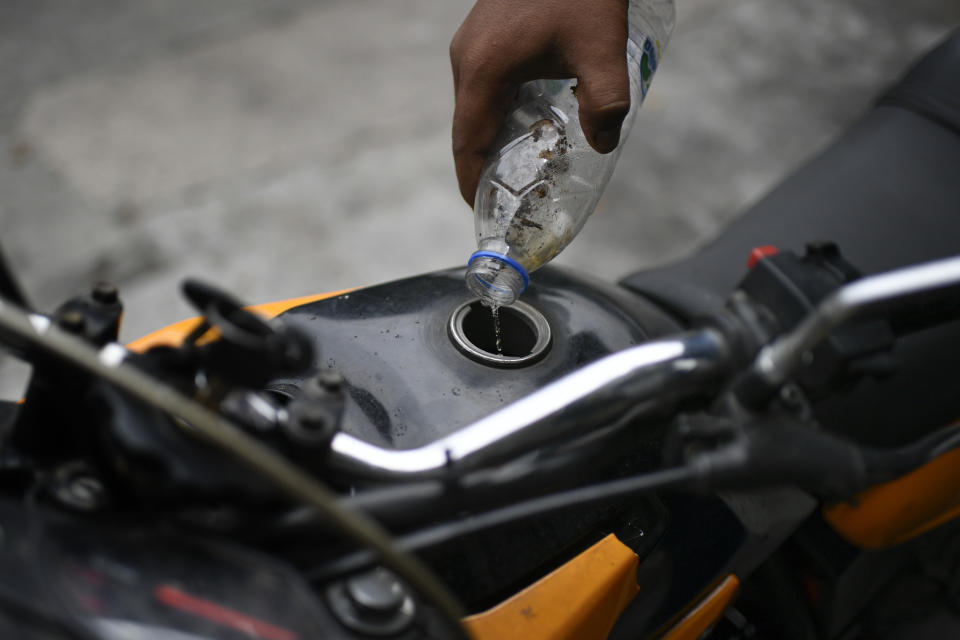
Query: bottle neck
496, 279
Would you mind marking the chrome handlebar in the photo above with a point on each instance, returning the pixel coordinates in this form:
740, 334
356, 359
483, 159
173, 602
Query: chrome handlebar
636, 381
618, 384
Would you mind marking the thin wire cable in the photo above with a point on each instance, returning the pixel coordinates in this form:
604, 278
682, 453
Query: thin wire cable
425, 538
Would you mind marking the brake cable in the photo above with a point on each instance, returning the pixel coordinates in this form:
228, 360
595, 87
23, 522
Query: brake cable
660, 480
840, 466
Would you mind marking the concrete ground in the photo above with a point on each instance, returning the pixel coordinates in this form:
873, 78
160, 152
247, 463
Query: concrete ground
294, 147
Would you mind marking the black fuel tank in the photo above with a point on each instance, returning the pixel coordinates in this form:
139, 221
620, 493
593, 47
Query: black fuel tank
409, 384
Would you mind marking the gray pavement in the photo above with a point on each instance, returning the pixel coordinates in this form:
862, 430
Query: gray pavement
292, 147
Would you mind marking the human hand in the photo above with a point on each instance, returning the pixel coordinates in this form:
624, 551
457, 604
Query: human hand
503, 43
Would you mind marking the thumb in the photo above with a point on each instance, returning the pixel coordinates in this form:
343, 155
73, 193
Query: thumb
603, 91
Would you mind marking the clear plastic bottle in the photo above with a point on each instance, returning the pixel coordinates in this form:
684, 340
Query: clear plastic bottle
537, 190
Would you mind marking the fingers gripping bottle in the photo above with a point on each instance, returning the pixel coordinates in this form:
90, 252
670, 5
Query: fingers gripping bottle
537, 190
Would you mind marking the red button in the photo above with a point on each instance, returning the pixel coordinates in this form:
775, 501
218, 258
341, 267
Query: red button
759, 253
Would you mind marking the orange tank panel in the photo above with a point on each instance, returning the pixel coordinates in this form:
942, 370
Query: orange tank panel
892, 513
173, 335
705, 612
578, 601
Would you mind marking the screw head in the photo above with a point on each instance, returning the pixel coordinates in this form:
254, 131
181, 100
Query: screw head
323, 385
377, 592
310, 424
105, 293
313, 416
373, 604
330, 380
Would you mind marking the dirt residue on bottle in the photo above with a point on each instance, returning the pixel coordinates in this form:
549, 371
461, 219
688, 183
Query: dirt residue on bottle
537, 128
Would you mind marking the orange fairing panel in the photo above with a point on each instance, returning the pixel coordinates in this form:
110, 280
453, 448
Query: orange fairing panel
892, 513
706, 612
578, 601
174, 334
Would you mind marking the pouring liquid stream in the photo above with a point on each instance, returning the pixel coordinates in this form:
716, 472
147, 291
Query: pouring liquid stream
495, 314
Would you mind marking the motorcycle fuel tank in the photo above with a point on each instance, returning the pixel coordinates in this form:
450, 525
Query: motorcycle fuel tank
418, 359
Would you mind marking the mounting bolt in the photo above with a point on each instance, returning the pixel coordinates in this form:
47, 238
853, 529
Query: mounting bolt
323, 385
310, 423
330, 381
105, 293
375, 603
313, 417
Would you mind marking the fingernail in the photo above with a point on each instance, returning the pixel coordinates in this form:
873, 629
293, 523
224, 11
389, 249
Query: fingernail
608, 139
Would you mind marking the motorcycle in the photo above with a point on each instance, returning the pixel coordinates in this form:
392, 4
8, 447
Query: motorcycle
701, 448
